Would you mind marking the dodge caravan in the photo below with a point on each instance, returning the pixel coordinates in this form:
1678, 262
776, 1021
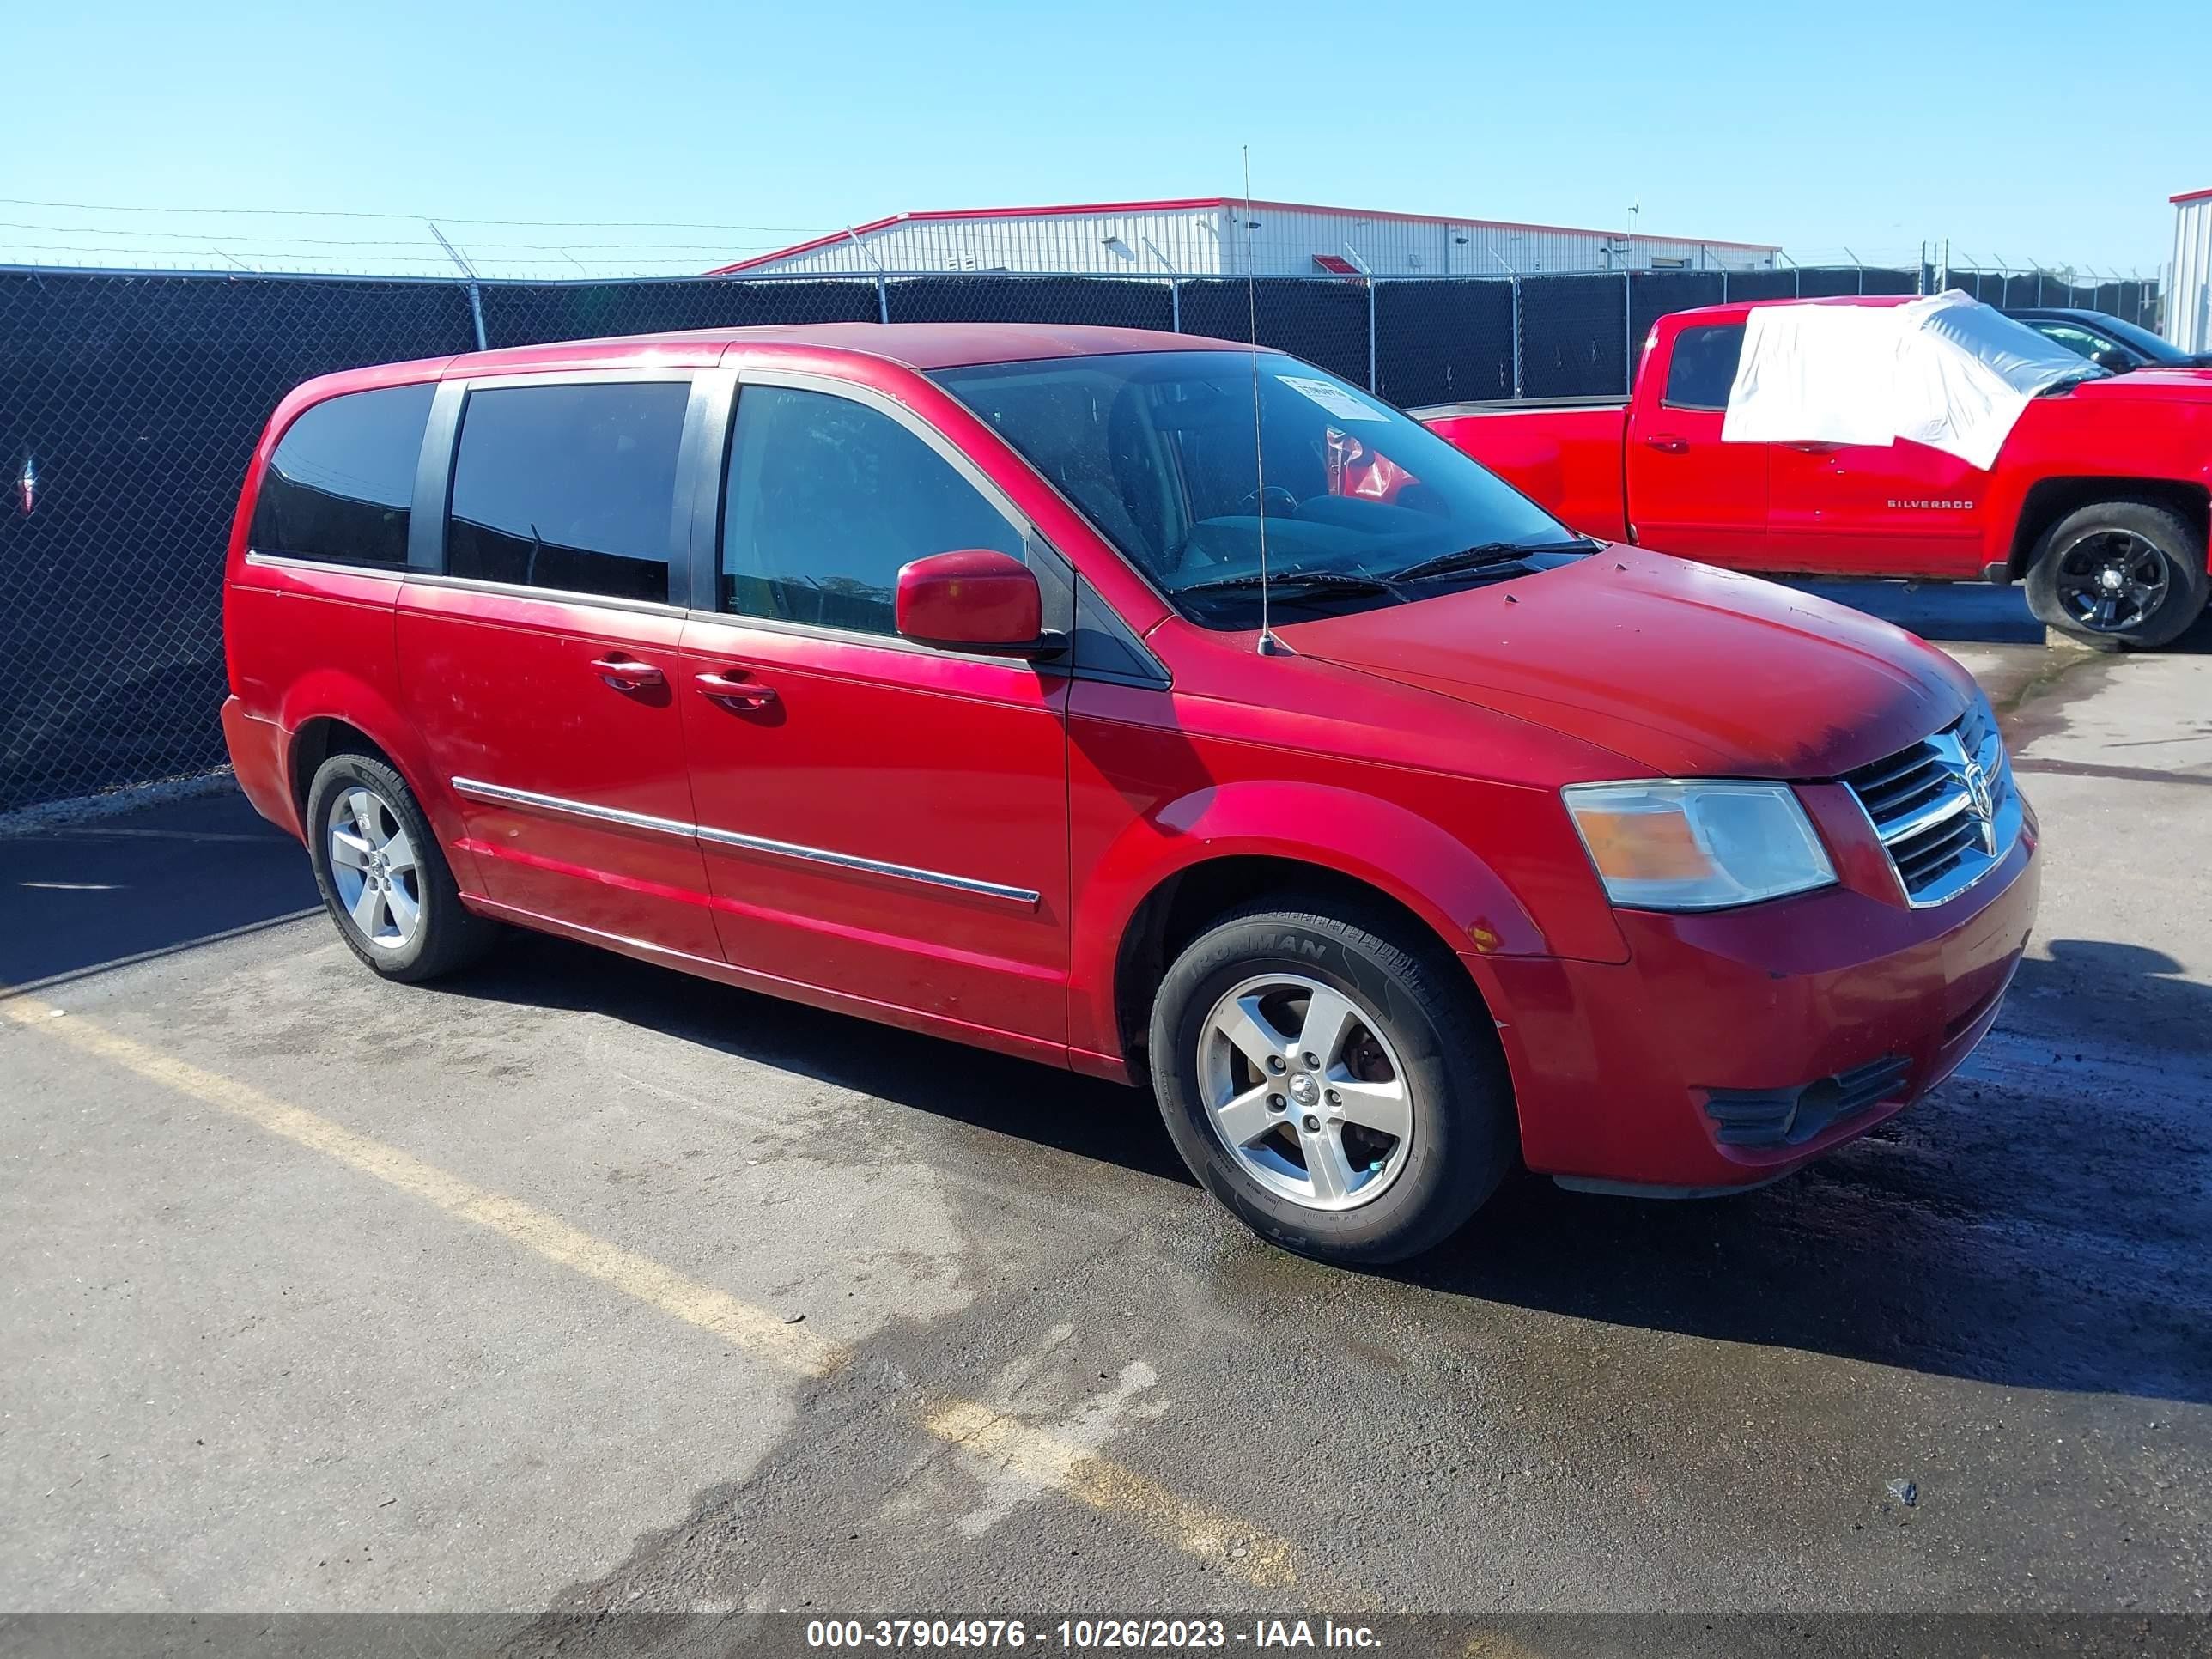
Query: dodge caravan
1141, 705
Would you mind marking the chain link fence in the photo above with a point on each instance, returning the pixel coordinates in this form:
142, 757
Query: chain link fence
130, 404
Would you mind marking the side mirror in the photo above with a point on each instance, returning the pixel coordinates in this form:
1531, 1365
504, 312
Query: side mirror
2112, 357
975, 600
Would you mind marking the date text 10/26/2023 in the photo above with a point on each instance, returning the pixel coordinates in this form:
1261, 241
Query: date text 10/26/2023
1088, 1635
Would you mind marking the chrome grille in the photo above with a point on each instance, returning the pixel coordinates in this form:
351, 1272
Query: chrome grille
1946, 809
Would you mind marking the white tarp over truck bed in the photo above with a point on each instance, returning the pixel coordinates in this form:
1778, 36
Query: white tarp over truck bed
1947, 371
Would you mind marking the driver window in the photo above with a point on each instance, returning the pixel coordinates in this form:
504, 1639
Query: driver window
826, 499
2079, 341
1704, 367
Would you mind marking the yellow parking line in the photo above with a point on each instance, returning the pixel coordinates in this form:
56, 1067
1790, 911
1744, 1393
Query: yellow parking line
744, 1327
1232, 1545
996, 1438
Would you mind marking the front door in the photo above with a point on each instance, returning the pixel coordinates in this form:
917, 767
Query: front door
542, 666
880, 820
1867, 509
1689, 494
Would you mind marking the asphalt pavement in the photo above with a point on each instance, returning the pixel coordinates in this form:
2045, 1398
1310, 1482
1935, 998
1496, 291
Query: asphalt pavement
576, 1285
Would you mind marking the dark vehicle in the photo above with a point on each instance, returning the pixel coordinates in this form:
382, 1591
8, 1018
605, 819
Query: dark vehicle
2106, 341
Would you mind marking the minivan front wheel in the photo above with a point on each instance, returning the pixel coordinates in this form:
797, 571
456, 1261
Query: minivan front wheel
383, 876
2120, 574
1338, 1092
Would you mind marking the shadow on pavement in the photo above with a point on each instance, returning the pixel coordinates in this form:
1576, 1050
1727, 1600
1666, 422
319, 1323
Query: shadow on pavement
2043, 1221
1964, 613
2046, 1237
80, 897
1068, 1112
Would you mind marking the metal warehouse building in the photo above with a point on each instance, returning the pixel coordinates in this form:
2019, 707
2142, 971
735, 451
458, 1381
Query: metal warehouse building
1217, 236
2189, 292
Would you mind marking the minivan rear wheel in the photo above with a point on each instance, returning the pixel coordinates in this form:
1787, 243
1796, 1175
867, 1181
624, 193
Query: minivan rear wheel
383, 876
2119, 575
1338, 1090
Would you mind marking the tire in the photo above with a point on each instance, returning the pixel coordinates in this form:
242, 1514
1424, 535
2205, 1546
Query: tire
1411, 1022
394, 874
2130, 540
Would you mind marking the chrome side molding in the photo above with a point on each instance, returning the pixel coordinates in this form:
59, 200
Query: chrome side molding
499, 795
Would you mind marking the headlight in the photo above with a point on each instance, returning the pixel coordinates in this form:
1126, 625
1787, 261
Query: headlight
1669, 846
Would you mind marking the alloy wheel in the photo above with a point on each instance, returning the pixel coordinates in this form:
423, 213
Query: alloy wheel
2112, 581
374, 868
1306, 1091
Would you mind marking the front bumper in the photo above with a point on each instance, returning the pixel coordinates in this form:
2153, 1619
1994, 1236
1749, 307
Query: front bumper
1733, 1047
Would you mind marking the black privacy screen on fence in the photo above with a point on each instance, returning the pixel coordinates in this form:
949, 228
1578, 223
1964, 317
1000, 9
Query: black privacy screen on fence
530, 313
134, 401
137, 403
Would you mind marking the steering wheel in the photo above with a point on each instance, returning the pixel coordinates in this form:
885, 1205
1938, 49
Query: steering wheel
1268, 493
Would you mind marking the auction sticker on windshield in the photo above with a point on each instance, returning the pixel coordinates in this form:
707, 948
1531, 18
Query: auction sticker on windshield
1334, 398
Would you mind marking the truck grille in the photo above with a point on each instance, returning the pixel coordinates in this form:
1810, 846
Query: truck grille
1946, 809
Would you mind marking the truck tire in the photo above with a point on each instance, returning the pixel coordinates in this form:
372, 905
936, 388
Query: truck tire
383, 876
2119, 575
1343, 1093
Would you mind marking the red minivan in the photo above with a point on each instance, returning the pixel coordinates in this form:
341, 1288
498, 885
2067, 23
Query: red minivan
1138, 704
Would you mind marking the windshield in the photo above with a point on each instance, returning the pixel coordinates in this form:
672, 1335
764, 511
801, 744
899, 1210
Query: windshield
2026, 360
2149, 344
1362, 504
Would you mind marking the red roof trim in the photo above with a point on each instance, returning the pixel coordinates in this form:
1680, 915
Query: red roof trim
1184, 205
807, 247
2191, 196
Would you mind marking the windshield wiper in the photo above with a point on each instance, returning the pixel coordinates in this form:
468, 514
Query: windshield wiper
1483, 555
1344, 581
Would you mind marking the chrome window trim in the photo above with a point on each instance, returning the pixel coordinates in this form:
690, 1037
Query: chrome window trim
499, 795
514, 378
562, 596
861, 636
256, 558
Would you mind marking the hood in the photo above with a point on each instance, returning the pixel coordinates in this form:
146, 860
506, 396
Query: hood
2187, 386
1687, 670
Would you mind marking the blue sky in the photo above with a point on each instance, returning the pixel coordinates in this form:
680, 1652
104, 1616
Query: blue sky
1861, 126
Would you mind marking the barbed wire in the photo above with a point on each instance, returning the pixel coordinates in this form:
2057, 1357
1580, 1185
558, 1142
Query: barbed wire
442, 218
584, 253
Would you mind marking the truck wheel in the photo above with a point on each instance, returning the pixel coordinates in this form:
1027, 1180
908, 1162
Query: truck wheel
383, 875
2119, 575
1338, 1092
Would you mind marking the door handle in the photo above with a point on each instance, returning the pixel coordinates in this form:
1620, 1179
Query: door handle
626, 673
735, 693
1666, 443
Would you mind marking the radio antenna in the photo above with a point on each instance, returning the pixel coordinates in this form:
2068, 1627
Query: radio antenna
1269, 645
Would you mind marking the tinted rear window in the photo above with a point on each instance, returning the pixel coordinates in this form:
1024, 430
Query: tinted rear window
339, 484
1704, 364
568, 487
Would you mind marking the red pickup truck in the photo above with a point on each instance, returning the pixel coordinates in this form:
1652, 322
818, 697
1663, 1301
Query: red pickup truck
2097, 499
